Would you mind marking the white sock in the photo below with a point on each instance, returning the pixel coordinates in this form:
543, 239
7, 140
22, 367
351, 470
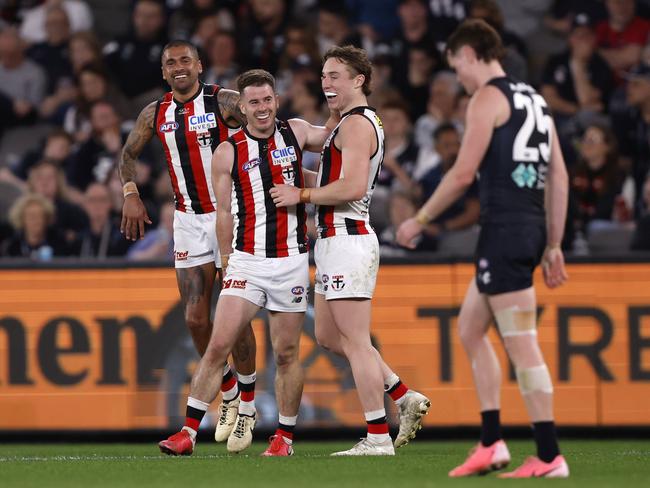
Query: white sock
289, 422
191, 431
378, 438
390, 381
374, 415
247, 396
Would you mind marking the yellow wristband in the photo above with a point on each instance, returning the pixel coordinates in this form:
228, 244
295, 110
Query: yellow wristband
422, 217
130, 188
305, 195
553, 246
224, 261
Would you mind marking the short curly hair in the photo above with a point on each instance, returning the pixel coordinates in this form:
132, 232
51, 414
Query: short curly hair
17, 210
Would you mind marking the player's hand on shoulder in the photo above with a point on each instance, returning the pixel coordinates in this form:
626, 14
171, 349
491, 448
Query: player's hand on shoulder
134, 216
553, 268
285, 195
408, 232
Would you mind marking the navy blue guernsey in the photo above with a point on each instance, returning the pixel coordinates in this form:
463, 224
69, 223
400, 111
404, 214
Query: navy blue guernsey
513, 172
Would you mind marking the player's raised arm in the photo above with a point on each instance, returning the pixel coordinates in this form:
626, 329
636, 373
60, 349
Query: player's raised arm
222, 161
134, 213
358, 143
312, 137
556, 196
482, 114
229, 106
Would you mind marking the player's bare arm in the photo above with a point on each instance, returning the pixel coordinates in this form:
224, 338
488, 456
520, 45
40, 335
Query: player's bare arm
222, 161
487, 109
134, 213
556, 197
357, 142
229, 106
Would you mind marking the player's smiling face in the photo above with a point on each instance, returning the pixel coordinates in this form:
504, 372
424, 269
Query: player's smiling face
181, 68
259, 104
339, 83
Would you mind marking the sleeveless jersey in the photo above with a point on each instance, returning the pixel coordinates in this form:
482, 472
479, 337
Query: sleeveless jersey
190, 132
261, 228
512, 175
350, 218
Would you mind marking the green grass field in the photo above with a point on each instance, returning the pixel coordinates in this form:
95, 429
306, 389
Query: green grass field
624, 463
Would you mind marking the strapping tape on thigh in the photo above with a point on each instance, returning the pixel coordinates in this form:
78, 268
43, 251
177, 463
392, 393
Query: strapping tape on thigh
514, 322
535, 379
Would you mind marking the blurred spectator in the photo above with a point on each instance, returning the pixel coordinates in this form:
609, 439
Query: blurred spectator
523, 17
54, 57
185, 21
102, 237
414, 30
22, 82
52, 53
262, 38
443, 91
414, 83
97, 156
515, 60
34, 238
334, 27
158, 243
300, 55
375, 19
633, 126
306, 101
84, 50
134, 60
400, 154
206, 29
402, 206
597, 179
400, 151
33, 27
47, 179
578, 81
622, 36
94, 85
464, 212
562, 14
57, 148
222, 68
641, 238
446, 15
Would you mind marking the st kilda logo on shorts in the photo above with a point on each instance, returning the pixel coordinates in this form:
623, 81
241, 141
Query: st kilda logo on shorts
338, 282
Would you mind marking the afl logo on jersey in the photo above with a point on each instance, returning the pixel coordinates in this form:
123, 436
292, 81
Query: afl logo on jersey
247, 166
284, 156
168, 126
203, 122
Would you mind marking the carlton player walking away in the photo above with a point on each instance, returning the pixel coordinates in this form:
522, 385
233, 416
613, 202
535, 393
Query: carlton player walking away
347, 251
190, 121
264, 252
511, 142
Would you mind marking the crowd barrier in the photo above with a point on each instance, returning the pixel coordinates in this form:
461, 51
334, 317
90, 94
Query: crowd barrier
107, 349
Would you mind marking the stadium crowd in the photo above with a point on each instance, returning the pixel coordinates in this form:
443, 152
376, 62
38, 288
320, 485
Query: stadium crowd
75, 74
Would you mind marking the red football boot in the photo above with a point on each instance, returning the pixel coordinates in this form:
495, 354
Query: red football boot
179, 444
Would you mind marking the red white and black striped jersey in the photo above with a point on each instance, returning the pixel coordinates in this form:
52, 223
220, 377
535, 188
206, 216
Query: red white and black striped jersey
190, 132
260, 227
350, 218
